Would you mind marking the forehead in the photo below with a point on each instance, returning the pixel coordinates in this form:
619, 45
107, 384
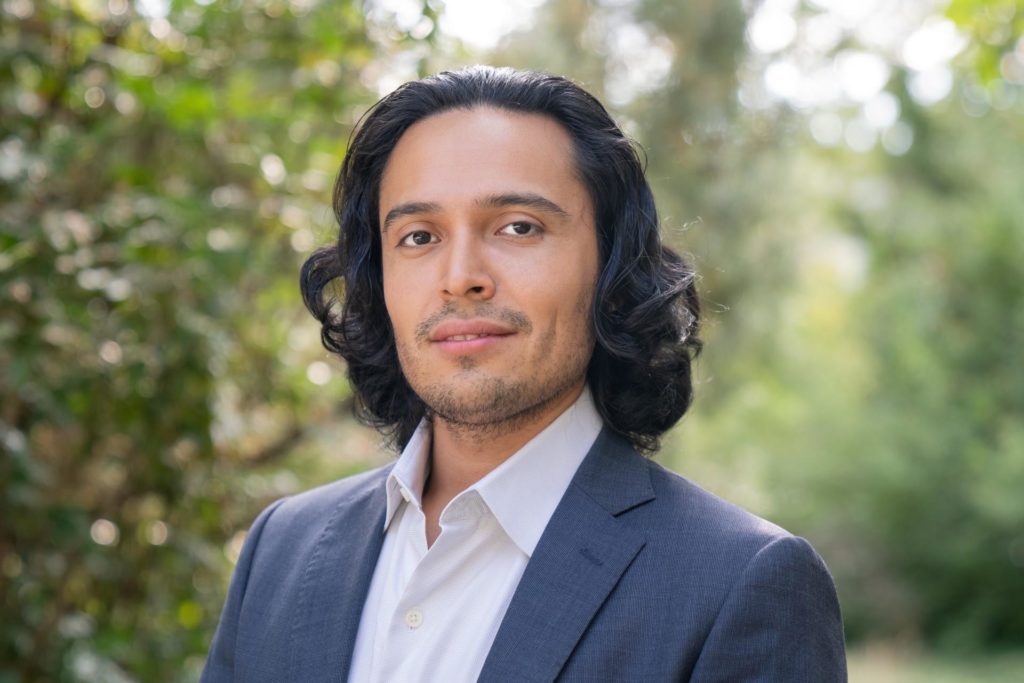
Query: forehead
462, 154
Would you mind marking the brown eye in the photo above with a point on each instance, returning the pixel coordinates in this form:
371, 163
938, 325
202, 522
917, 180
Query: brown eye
520, 229
417, 238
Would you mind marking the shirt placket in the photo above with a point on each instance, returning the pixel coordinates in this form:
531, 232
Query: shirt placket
417, 614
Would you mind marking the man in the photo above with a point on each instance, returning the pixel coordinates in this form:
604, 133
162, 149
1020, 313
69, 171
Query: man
510, 317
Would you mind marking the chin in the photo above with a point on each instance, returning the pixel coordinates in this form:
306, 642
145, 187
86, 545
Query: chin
494, 401
477, 402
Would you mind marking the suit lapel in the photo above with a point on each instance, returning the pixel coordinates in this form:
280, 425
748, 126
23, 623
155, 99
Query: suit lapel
580, 557
335, 584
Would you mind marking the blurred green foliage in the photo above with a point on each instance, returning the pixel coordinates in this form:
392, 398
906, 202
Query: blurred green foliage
875, 664
162, 178
164, 172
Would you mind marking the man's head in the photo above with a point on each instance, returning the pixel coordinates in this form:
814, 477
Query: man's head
489, 259
502, 202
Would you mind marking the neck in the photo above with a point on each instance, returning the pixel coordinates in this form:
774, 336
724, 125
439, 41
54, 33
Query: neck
464, 454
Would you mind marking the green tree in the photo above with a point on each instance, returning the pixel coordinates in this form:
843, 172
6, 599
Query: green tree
887, 415
162, 177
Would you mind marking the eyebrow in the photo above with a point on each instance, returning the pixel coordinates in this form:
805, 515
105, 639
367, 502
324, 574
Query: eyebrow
527, 199
408, 209
494, 201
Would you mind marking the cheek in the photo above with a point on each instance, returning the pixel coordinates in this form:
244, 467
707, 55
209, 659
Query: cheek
396, 300
403, 324
574, 281
565, 302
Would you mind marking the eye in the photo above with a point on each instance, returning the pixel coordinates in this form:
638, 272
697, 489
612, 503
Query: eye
520, 229
416, 238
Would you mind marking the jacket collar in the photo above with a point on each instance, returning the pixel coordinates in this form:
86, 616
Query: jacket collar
578, 561
615, 475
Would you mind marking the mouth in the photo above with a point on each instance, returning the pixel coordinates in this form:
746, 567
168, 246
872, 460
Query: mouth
469, 336
463, 344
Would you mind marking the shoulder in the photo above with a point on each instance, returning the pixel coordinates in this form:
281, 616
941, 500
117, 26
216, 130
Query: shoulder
686, 505
733, 594
687, 530
317, 502
689, 526
291, 523
766, 600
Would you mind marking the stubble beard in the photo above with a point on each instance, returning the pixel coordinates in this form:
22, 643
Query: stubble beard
481, 406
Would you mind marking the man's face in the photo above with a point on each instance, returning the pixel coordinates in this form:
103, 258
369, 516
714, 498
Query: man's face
490, 261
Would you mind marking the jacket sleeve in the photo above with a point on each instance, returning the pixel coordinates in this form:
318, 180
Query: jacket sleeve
780, 622
220, 663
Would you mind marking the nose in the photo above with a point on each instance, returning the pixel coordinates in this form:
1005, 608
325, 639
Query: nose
467, 270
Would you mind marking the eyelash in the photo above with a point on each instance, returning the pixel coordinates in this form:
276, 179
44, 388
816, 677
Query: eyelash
405, 241
535, 229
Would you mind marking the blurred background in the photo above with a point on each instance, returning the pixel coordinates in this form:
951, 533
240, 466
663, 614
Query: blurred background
847, 175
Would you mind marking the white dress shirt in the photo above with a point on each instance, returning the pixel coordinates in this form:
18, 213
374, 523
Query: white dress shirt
432, 614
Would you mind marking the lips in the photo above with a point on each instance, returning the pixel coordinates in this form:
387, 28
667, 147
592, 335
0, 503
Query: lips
466, 337
468, 330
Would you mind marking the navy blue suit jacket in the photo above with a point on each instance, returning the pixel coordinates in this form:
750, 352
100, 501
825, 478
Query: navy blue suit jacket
639, 576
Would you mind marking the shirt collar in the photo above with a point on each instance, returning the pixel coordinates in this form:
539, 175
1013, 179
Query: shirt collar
406, 479
522, 492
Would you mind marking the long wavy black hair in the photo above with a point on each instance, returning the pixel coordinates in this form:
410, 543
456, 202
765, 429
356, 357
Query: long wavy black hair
645, 310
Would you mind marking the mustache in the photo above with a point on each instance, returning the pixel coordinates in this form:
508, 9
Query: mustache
514, 319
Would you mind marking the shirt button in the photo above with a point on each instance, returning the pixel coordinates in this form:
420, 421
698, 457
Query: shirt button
413, 618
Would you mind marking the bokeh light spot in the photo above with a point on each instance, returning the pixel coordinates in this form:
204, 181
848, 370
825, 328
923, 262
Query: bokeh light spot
273, 169
319, 372
233, 548
104, 532
157, 533
111, 353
